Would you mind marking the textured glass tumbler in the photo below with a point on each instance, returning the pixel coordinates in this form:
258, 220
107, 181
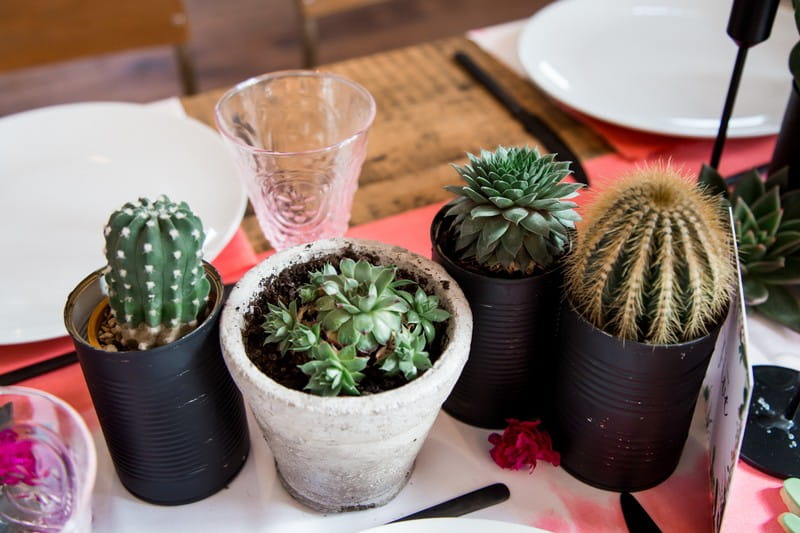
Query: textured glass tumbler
48, 464
299, 139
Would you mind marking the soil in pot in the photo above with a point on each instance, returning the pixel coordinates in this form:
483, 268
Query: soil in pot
284, 287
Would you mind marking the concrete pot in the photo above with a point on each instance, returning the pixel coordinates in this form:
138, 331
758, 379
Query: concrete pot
353, 452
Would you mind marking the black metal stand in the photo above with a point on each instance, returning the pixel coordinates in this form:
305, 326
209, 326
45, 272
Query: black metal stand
750, 23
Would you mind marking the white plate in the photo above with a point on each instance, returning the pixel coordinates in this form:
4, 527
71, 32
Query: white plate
453, 525
661, 66
64, 169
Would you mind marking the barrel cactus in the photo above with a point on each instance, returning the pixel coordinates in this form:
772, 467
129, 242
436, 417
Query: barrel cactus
653, 260
514, 213
767, 227
157, 285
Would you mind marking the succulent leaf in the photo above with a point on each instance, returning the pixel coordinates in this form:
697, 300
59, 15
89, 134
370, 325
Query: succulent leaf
509, 194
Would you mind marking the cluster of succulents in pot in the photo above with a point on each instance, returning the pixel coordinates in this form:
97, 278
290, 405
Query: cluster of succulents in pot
351, 316
345, 317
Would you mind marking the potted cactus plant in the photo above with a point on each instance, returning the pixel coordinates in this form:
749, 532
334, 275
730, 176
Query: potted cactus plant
648, 285
502, 238
767, 225
145, 328
345, 350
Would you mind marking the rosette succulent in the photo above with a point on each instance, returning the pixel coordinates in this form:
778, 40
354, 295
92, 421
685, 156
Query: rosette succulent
767, 227
157, 286
514, 214
653, 260
353, 316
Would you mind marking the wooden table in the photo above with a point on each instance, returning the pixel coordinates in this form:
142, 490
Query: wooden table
430, 113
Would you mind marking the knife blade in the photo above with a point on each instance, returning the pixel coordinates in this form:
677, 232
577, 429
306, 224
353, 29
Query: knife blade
531, 122
466, 503
636, 518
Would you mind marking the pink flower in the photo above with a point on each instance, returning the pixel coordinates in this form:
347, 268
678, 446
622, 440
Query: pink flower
522, 444
17, 462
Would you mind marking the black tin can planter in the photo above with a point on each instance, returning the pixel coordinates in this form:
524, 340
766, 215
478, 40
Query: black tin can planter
623, 409
786, 152
509, 370
172, 418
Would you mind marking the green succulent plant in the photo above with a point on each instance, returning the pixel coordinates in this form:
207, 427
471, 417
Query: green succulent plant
332, 371
157, 285
409, 356
514, 212
767, 225
653, 260
352, 316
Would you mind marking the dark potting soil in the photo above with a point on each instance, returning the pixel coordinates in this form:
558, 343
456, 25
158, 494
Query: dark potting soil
446, 239
284, 288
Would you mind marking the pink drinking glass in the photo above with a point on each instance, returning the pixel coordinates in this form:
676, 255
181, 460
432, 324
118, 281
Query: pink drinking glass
299, 139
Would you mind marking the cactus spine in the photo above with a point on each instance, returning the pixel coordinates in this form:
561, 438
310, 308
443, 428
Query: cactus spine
156, 281
653, 260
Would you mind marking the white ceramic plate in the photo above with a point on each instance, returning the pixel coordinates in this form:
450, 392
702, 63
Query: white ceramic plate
64, 169
661, 66
453, 525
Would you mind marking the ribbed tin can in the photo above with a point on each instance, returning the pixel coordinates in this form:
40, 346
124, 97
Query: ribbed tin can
623, 409
172, 418
509, 370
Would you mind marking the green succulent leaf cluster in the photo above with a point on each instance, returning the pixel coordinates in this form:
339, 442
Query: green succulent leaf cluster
514, 213
409, 356
424, 310
767, 225
280, 322
357, 313
332, 371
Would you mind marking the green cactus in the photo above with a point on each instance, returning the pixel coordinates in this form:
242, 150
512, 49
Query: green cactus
352, 316
157, 285
514, 214
653, 261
